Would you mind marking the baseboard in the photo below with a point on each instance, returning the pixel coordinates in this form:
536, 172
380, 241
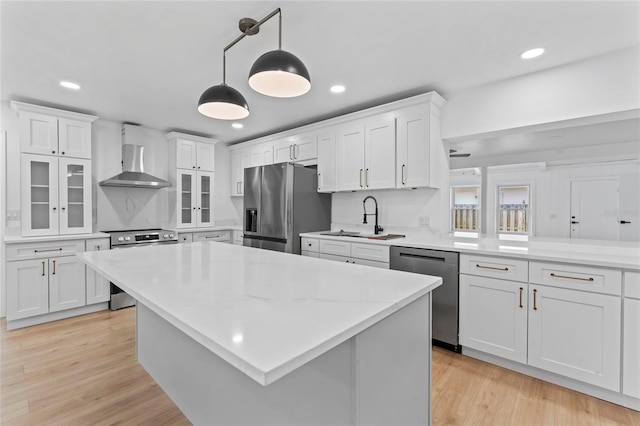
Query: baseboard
55, 316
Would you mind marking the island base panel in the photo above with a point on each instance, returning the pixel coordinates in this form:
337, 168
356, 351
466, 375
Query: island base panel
380, 376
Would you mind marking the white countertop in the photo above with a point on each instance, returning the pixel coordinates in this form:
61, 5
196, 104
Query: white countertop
613, 254
264, 312
20, 239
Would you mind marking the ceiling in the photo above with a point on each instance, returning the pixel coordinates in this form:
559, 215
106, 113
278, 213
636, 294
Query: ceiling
148, 62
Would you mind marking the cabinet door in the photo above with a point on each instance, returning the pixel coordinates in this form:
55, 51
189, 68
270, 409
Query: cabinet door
350, 158
631, 355
412, 148
260, 155
493, 316
305, 148
206, 157
38, 133
186, 199
98, 289
380, 153
326, 162
27, 288
74, 138
204, 190
39, 194
575, 334
66, 283
237, 174
185, 238
283, 152
186, 154
74, 179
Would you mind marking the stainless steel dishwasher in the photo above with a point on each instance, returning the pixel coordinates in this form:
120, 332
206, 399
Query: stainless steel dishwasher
444, 304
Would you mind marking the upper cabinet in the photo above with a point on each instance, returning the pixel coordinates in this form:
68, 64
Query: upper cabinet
326, 161
49, 131
298, 149
248, 156
192, 152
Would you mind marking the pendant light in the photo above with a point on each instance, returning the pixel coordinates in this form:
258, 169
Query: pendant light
279, 73
276, 73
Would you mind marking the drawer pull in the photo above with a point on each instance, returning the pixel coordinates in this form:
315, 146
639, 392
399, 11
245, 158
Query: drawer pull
571, 278
54, 267
43, 269
45, 250
491, 267
535, 300
521, 289
212, 236
404, 182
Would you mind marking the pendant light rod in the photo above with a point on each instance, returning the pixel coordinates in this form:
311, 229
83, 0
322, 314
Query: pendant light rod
255, 27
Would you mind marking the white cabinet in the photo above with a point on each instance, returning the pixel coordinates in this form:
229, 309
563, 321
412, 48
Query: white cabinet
98, 287
366, 154
49, 131
631, 335
218, 236
327, 161
418, 148
493, 316
302, 148
357, 253
575, 334
43, 278
238, 237
55, 196
185, 237
240, 159
191, 152
195, 198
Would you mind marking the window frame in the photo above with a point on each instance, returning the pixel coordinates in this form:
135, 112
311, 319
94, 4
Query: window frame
451, 210
530, 211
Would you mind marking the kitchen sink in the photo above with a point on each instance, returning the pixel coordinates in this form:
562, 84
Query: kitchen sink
343, 233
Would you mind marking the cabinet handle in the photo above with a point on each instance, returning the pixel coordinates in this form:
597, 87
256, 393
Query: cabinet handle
53, 152
366, 178
193, 167
290, 152
198, 167
571, 278
54, 209
402, 175
491, 267
97, 248
54, 268
211, 236
295, 153
43, 269
521, 296
361, 170
46, 250
62, 153
535, 300
63, 208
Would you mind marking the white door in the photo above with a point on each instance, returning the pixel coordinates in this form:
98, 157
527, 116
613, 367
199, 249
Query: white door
186, 199
412, 162
631, 356
74, 195
39, 196
326, 162
594, 209
283, 152
350, 158
66, 283
186, 154
74, 138
204, 189
38, 133
575, 334
237, 174
206, 157
380, 153
97, 285
27, 288
629, 207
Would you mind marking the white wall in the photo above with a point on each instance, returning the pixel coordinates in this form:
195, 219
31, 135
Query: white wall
599, 85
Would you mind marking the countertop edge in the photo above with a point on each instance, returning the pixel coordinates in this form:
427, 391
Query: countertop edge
18, 239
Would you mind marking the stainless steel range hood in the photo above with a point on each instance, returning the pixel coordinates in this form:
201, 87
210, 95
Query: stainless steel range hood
133, 175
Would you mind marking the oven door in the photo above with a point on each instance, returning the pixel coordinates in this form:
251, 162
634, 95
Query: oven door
119, 298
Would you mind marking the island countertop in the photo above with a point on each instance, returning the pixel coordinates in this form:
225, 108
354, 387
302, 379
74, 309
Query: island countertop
265, 313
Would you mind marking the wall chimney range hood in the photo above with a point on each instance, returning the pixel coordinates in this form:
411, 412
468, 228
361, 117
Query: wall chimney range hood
133, 175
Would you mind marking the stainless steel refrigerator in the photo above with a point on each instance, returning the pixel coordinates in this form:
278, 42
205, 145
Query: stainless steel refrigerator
281, 201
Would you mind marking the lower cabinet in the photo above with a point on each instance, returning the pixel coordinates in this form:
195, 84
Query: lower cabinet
631, 335
221, 236
185, 237
357, 253
238, 237
98, 287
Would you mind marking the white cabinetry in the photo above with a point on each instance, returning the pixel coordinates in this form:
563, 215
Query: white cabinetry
631, 335
343, 251
55, 196
248, 156
43, 278
49, 131
327, 161
238, 237
98, 287
218, 236
301, 149
185, 237
192, 154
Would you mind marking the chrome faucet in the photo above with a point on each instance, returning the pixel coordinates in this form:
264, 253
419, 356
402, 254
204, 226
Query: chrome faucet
377, 228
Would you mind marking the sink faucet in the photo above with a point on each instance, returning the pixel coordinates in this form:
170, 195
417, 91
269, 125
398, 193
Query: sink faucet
377, 228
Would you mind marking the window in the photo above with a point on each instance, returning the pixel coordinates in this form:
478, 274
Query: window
465, 208
514, 213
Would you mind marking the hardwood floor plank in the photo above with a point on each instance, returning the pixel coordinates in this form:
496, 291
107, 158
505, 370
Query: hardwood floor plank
82, 371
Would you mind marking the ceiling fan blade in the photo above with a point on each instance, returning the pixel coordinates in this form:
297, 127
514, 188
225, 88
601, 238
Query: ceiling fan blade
459, 155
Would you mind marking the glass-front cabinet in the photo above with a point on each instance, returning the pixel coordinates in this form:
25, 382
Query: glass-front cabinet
56, 197
195, 198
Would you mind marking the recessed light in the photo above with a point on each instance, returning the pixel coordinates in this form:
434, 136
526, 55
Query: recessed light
532, 53
338, 88
70, 85
237, 125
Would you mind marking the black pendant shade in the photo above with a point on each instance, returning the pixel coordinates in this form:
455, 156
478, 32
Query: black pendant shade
223, 102
280, 74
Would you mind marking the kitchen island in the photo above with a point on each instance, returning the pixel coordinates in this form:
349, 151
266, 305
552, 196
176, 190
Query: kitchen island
237, 335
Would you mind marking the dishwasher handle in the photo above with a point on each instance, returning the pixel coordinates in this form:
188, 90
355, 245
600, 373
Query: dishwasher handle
423, 256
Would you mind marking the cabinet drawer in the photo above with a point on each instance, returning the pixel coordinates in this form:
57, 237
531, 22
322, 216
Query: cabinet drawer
309, 244
98, 244
44, 249
185, 238
338, 248
374, 252
576, 277
632, 284
212, 236
494, 267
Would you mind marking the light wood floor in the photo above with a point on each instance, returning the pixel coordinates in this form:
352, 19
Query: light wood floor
82, 371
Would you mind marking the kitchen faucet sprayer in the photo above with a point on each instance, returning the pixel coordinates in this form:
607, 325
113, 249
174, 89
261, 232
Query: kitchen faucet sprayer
377, 228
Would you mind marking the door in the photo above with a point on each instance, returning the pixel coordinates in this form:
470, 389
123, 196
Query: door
204, 191
186, 199
39, 197
74, 181
74, 138
380, 153
283, 152
38, 133
493, 316
413, 162
594, 209
237, 174
350, 158
206, 157
629, 207
305, 148
27, 288
575, 334
252, 208
66, 283
186, 154
97, 285
273, 218
326, 162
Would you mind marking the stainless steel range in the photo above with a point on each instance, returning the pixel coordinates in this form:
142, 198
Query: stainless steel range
133, 239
